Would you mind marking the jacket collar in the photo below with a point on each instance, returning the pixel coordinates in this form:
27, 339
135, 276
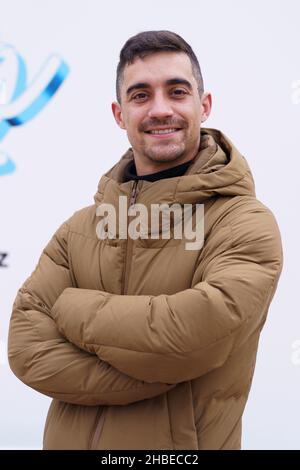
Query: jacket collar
217, 169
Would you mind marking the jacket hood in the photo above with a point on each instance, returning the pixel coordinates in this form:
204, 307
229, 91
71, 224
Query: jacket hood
217, 169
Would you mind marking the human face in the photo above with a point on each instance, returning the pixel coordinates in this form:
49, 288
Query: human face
159, 93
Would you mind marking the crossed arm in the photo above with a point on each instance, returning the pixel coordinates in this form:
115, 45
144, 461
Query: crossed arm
175, 338
134, 343
45, 360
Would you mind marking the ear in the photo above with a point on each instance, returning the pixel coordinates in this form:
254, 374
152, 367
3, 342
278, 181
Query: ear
206, 104
116, 109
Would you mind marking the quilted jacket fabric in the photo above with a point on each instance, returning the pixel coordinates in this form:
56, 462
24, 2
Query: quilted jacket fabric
141, 343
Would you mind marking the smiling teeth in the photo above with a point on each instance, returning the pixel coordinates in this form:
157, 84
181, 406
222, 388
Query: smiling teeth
162, 131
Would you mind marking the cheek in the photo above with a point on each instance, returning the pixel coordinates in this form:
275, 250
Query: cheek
190, 113
133, 123
196, 119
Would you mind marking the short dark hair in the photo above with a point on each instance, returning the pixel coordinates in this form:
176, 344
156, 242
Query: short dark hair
149, 42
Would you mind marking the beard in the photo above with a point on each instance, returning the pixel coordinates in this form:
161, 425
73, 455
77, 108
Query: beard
163, 151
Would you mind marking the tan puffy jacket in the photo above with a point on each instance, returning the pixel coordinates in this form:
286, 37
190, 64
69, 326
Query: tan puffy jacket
143, 344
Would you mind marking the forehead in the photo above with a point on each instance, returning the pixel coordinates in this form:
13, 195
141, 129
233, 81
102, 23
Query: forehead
157, 68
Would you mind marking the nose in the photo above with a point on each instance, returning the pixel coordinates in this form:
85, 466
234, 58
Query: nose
160, 107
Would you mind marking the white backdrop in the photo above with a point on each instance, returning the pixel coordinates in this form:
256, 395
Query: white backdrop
249, 54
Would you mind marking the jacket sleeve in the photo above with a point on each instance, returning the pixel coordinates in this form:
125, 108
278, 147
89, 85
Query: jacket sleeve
175, 338
44, 360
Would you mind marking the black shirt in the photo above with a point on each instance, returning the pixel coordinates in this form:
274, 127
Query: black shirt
130, 172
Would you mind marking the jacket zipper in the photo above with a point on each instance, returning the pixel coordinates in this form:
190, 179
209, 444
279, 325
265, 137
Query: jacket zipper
98, 428
100, 418
129, 246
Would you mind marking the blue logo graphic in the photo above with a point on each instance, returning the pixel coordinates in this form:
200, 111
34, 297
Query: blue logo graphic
19, 101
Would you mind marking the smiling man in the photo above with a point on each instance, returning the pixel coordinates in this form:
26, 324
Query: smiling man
161, 106
141, 343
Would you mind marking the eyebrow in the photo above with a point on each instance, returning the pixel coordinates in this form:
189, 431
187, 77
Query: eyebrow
171, 81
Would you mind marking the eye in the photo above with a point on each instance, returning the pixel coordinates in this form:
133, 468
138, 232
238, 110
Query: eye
141, 96
179, 92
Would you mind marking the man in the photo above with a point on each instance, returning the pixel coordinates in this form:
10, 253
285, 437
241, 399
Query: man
142, 342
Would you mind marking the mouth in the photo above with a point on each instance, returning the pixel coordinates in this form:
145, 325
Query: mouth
160, 133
